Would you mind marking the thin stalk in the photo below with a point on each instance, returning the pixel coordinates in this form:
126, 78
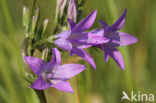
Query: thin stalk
41, 96
39, 42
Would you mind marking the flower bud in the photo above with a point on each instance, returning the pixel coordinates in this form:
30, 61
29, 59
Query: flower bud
45, 54
25, 16
33, 27
72, 10
60, 6
37, 13
50, 39
45, 24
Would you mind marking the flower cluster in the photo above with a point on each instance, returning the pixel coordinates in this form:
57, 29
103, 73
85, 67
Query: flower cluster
50, 73
107, 39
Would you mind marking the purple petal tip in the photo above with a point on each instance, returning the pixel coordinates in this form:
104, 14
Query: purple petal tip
94, 66
122, 68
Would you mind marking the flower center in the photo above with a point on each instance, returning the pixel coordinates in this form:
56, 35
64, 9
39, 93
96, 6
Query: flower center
48, 76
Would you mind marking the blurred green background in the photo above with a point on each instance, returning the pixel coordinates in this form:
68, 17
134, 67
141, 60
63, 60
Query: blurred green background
105, 85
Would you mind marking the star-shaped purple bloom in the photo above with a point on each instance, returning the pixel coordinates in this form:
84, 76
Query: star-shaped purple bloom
116, 39
76, 39
52, 74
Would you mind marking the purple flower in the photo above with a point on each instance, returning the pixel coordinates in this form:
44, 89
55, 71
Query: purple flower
75, 39
51, 74
116, 39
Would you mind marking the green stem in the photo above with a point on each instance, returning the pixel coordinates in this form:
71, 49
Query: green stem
39, 42
41, 96
56, 29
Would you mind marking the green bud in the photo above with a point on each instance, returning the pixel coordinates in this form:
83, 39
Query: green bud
25, 17
37, 13
45, 54
45, 24
64, 28
50, 39
33, 27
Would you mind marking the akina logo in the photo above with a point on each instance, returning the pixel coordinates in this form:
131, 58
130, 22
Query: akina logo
140, 97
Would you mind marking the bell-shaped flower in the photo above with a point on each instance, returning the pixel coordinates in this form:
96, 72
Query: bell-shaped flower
116, 39
53, 74
76, 39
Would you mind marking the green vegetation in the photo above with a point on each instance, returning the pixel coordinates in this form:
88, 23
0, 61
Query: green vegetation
105, 85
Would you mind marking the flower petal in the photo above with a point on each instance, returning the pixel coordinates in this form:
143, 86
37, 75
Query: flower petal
87, 39
67, 71
99, 32
63, 35
86, 23
40, 84
78, 37
81, 44
82, 53
116, 55
96, 39
127, 39
63, 86
64, 44
119, 23
36, 64
121, 38
56, 58
106, 54
104, 25
71, 23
